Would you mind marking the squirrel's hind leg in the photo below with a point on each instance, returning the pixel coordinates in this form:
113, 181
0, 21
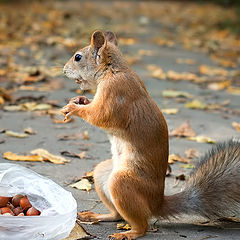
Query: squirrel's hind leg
101, 176
130, 202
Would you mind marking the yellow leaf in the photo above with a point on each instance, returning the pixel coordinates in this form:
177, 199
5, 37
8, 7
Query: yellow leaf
233, 90
170, 110
236, 126
182, 76
185, 61
83, 184
219, 85
16, 157
175, 157
16, 134
188, 166
144, 52
123, 226
196, 104
156, 71
164, 42
127, 41
49, 157
202, 139
212, 71
2, 101
173, 94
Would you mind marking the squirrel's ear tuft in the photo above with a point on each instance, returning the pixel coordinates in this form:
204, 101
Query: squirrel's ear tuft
111, 37
97, 40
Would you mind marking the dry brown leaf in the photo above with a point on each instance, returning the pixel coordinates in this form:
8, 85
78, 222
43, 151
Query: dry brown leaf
236, 126
175, 157
49, 157
145, 52
28, 106
219, 85
78, 232
185, 61
233, 90
181, 76
85, 135
164, 42
156, 71
202, 139
192, 153
16, 134
83, 184
212, 71
126, 41
184, 130
16, 157
29, 131
66, 137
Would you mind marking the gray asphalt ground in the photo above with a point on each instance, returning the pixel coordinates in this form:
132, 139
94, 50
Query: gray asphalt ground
214, 124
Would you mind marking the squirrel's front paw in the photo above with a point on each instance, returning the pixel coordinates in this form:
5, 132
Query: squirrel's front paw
82, 100
70, 109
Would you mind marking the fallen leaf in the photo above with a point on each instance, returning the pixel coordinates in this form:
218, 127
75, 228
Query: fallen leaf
181, 76
72, 154
28, 106
49, 157
184, 130
236, 126
175, 157
212, 71
85, 135
219, 85
145, 52
16, 134
123, 226
181, 177
126, 41
173, 94
196, 104
170, 110
188, 166
78, 232
185, 61
192, 153
164, 42
201, 139
29, 131
233, 90
83, 184
156, 71
16, 157
66, 137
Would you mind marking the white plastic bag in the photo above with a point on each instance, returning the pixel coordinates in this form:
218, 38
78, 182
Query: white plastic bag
58, 207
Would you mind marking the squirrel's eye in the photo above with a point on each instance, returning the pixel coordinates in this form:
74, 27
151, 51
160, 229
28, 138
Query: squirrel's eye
77, 57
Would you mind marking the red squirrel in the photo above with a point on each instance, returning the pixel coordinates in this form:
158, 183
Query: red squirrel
131, 184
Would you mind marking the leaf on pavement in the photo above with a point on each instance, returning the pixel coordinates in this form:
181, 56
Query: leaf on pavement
187, 76
66, 137
28, 106
123, 226
216, 86
175, 157
77, 155
184, 130
170, 110
236, 126
201, 139
185, 61
77, 233
83, 184
126, 41
16, 134
16, 157
196, 104
156, 71
192, 153
212, 71
29, 131
233, 90
187, 166
174, 94
49, 157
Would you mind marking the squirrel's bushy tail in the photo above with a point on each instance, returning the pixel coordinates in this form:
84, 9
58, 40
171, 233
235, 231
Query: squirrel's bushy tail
213, 189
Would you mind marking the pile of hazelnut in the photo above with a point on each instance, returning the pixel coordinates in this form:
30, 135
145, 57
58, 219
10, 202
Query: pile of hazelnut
18, 205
